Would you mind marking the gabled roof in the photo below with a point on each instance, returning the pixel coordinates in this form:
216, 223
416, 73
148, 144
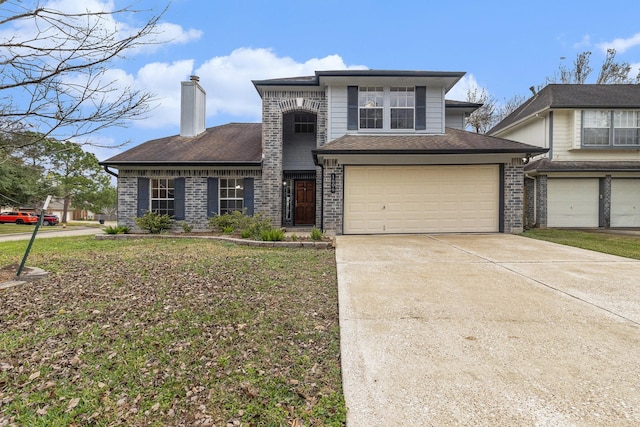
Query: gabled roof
230, 144
454, 141
574, 96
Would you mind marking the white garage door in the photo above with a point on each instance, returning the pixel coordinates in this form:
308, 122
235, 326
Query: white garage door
573, 202
421, 199
625, 202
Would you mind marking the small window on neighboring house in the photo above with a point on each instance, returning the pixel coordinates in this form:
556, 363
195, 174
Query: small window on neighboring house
162, 196
402, 107
626, 126
371, 107
304, 123
596, 126
231, 195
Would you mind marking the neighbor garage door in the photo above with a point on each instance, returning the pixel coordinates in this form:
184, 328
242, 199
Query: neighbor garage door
572, 202
421, 199
625, 202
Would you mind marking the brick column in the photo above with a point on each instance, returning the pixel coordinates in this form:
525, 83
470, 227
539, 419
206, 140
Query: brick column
541, 199
332, 216
607, 201
513, 196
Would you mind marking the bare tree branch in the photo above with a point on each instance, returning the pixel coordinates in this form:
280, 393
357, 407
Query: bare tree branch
483, 118
55, 79
613, 72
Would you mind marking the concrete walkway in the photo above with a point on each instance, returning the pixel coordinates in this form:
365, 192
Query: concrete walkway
48, 233
487, 330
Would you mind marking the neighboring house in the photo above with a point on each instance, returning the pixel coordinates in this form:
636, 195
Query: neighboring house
590, 176
350, 152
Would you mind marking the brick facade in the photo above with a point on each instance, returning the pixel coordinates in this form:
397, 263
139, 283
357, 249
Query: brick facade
606, 196
529, 202
333, 193
513, 174
274, 105
195, 202
541, 201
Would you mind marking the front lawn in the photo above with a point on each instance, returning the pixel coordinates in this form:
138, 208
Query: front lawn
614, 244
170, 332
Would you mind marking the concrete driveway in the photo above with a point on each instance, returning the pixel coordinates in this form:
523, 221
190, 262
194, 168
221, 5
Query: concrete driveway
487, 330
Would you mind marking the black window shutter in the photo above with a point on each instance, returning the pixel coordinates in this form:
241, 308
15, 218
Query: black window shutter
248, 195
178, 199
143, 196
421, 107
352, 107
212, 197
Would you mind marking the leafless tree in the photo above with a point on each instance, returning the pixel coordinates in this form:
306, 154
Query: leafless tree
508, 107
54, 69
483, 118
611, 72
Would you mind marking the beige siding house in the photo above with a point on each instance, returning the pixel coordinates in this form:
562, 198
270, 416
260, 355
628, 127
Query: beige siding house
590, 177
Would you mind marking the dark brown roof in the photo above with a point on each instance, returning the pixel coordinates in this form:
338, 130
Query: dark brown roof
233, 143
574, 96
546, 165
454, 141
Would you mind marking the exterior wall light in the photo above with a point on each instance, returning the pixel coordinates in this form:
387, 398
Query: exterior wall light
333, 182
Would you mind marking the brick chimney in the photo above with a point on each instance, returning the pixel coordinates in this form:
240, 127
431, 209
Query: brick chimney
192, 108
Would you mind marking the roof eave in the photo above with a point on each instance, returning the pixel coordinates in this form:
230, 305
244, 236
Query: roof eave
523, 152
118, 164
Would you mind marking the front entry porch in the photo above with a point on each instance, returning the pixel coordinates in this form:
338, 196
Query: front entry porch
299, 199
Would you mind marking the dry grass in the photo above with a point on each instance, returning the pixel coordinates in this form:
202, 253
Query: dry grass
171, 332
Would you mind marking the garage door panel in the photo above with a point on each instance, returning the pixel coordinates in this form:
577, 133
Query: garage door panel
573, 202
625, 202
415, 199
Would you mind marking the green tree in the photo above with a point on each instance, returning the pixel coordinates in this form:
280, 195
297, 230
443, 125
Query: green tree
76, 174
22, 179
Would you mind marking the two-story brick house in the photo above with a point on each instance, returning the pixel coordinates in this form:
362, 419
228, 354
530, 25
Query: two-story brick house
353, 152
590, 176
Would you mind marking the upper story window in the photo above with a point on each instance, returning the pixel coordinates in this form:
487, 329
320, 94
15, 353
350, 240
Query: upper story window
386, 108
304, 123
604, 128
371, 107
162, 196
626, 127
402, 107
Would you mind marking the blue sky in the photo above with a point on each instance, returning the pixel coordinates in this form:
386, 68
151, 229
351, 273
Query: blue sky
504, 47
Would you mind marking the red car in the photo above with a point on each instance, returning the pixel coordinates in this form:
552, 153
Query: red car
19, 218
50, 219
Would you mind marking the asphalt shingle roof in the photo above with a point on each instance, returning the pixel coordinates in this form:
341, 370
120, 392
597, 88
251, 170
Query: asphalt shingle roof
546, 165
233, 143
454, 141
574, 96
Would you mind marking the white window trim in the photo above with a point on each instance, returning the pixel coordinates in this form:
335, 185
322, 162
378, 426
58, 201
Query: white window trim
386, 111
152, 199
612, 130
235, 187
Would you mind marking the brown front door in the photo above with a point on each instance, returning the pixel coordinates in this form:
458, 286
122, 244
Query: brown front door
305, 200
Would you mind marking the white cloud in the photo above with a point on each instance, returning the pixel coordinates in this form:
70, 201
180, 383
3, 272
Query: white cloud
226, 79
39, 33
621, 45
459, 91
